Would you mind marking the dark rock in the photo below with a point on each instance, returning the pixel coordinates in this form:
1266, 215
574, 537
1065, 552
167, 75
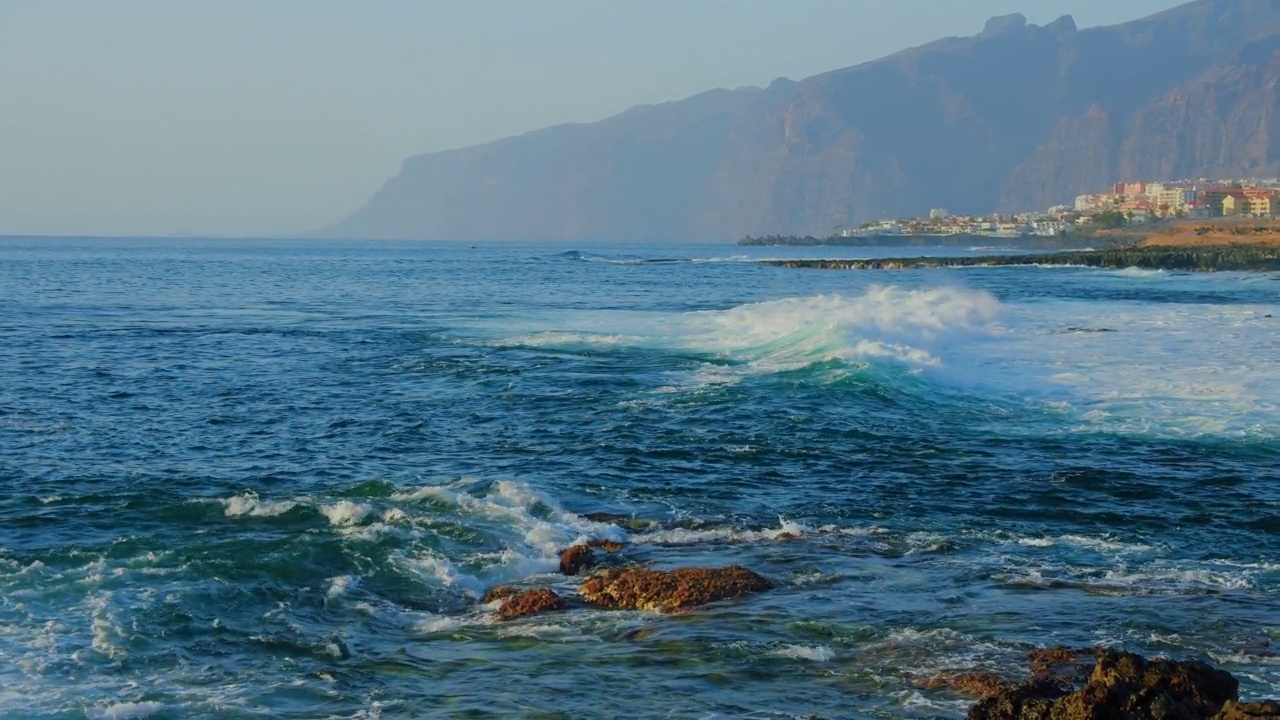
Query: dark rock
622, 521
531, 602
1266, 710
575, 559
640, 588
608, 546
1032, 700
1122, 686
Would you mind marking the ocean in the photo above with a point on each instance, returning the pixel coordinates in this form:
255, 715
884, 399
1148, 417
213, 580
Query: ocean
275, 478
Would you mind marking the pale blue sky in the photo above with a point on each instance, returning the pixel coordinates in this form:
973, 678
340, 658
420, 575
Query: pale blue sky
272, 117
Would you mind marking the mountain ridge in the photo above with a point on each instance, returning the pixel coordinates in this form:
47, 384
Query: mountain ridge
1019, 116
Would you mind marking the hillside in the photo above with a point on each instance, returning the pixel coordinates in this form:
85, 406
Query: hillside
1017, 117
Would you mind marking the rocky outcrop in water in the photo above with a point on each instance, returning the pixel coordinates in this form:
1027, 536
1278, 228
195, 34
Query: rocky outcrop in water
625, 522
501, 592
576, 559
530, 602
1120, 686
581, 557
640, 588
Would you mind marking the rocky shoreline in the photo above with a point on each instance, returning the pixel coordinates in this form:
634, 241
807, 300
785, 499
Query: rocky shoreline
1252, 258
1105, 683
1063, 684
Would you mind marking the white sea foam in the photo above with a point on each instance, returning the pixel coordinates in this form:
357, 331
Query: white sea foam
885, 323
1104, 544
420, 621
1172, 369
345, 513
1123, 577
1178, 369
546, 631
534, 521
249, 504
341, 584
1136, 272
125, 711
554, 338
815, 653
687, 536
1099, 544
728, 259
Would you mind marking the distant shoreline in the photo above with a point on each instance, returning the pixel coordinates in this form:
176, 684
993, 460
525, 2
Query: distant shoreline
957, 240
1241, 257
1218, 232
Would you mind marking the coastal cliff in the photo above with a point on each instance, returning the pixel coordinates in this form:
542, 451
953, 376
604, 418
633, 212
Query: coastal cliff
1017, 117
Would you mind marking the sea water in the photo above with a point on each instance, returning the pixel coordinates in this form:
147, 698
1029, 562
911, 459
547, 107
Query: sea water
275, 478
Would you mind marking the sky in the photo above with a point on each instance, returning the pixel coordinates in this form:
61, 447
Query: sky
243, 117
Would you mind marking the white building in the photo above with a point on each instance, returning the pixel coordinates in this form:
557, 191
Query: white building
1049, 228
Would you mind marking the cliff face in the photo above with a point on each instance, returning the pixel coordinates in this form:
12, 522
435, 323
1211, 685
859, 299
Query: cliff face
1017, 117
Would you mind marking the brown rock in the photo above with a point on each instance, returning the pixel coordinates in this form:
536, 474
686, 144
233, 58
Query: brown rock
979, 685
1067, 665
530, 602
500, 592
576, 558
1123, 686
1032, 700
639, 588
608, 546
1266, 710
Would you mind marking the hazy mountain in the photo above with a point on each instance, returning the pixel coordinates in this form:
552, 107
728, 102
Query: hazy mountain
1017, 117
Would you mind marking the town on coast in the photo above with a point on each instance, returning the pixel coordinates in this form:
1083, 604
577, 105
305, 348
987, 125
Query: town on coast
1114, 216
1186, 225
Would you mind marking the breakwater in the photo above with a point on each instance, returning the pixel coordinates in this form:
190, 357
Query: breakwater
1203, 259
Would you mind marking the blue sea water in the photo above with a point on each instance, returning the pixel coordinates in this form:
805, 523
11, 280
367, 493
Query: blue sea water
274, 478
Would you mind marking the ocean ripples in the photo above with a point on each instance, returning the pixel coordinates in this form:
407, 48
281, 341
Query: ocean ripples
278, 480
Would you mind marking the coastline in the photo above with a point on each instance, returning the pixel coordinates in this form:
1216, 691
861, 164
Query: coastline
1252, 257
1215, 233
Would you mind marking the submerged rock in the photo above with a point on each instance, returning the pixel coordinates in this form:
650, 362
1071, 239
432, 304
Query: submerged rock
979, 685
609, 546
530, 602
500, 592
1070, 666
1121, 685
640, 588
575, 559
580, 557
1031, 700
623, 521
